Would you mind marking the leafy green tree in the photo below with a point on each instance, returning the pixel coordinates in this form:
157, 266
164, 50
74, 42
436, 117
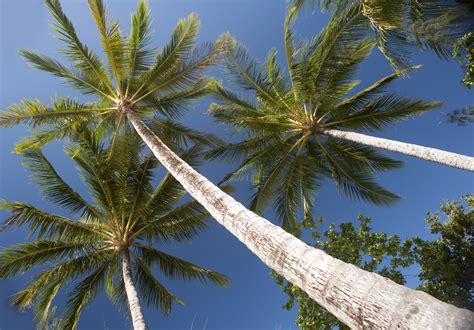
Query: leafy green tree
446, 263
464, 53
109, 244
374, 252
299, 127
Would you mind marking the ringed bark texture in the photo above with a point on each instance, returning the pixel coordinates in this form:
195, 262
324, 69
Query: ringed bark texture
358, 298
136, 312
435, 155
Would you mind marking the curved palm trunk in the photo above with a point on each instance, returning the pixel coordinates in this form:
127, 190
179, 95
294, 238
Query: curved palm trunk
358, 298
138, 320
431, 154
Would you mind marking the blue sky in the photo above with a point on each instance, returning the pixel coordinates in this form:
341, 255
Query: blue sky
253, 301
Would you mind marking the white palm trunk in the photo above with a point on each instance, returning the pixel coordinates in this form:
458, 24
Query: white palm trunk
358, 298
431, 154
136, 312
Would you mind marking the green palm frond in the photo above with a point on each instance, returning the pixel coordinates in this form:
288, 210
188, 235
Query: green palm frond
381, 112
154, 293
47, 225
190, 69
53, 187
356, 182
401, 25
174, 267
21, 257
182, 136
75, 79
248, 74
35, 113
82, 294
182, 223
363, 157
139, 56
173, 104
64, 272
84, 58
376, 89
182, 41
44, 300
112, 41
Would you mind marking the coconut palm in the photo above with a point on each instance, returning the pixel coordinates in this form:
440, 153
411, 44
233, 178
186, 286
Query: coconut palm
401, 25
302, 126
159, 85
111, 243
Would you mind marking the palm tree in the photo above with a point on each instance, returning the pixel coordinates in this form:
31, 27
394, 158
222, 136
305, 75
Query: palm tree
160, 87
302, 128
401, 25
110, 243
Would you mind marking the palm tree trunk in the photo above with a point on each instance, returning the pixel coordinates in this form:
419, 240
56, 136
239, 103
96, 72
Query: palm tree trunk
431, 154
358, 298
136, 312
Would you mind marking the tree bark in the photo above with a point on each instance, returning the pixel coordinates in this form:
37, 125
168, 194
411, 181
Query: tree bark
431, 154
356, 297
136, 312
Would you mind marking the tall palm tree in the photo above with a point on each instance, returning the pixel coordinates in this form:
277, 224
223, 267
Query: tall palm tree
174, 77
110, 243
303, 125
401, 25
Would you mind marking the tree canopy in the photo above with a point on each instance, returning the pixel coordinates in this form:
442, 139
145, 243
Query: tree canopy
128, 212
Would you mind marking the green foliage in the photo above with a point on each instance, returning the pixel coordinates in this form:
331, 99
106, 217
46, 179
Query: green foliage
155, 84
284, 151
464, 53
127, 212
401, 25
446, 263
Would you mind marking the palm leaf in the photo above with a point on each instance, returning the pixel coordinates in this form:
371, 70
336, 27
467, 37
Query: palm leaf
154, 293
174, 267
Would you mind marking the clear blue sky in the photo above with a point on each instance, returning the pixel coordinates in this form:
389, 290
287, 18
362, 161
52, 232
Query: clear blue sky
253, 301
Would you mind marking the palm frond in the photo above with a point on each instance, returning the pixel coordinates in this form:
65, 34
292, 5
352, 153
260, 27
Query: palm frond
357, 183
111, 39
35, 113
74, 79
182, 136
174, 267
182, 41
48, 225
53, 187
21, 257
175, 103
248, 74
190, 69
382, 111
138, 55
84, 58
154, 293
81, 295
64, 272
180, 224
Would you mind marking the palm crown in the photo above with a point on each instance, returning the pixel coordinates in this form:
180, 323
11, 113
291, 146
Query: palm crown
135, 79
283, 149
129, 215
